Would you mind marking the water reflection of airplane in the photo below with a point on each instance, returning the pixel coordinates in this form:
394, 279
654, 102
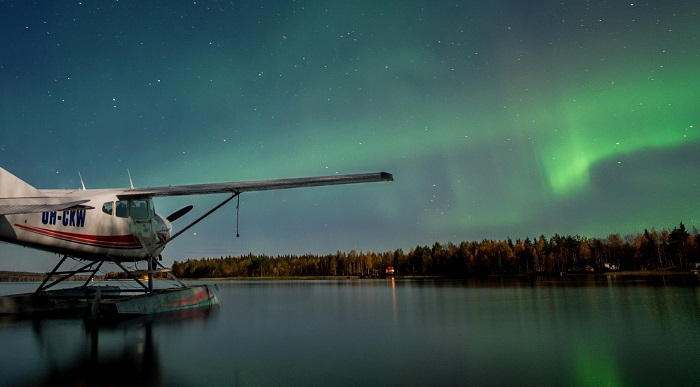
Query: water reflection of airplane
128, 356
94, 226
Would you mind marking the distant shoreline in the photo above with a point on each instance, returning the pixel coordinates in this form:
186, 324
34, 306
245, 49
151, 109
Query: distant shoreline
628, 273
638, 273
23, 276
19, 276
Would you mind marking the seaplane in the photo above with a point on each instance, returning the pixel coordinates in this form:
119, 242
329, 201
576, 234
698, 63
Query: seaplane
119, 226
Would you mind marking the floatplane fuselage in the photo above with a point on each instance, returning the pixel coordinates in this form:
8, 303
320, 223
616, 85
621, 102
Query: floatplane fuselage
103, 228
119, 226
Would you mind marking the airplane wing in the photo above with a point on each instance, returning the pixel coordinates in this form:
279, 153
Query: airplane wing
256, 185
10, 206
59, 200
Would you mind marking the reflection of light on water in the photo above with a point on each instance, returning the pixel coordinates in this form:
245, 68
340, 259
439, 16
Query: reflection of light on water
393, 298
594, 364
500, 331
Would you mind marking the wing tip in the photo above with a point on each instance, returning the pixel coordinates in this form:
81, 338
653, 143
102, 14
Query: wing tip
386, 176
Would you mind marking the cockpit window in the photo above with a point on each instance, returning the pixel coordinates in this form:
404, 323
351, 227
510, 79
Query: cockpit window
123, 208
107, 208
138, 209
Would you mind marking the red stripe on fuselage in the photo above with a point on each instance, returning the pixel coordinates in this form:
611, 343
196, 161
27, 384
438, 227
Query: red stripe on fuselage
128, 241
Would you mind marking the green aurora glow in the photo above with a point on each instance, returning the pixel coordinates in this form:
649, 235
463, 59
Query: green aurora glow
620, 118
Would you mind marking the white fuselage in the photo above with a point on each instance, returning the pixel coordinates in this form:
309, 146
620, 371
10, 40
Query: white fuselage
102, 229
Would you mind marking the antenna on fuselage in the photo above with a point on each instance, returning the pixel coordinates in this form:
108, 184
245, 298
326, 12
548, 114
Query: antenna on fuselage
131, 183
81, 180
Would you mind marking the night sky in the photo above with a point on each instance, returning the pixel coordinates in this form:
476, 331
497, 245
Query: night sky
498, 119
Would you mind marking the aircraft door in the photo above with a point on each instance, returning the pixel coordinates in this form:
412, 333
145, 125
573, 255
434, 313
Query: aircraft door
142, 218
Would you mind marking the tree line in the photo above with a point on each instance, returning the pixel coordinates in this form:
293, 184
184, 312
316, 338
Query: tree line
649, 250
20, 276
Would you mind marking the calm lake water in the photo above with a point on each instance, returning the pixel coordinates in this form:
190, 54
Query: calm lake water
583, 331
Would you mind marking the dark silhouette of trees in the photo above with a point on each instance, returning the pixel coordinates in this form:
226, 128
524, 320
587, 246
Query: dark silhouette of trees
679, 246
645, 251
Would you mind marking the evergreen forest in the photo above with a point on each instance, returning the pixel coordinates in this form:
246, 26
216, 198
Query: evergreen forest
650, 250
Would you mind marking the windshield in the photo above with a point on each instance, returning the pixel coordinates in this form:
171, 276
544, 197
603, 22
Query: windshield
138, 209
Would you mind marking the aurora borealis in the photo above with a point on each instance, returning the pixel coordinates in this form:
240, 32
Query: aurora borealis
498, 119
